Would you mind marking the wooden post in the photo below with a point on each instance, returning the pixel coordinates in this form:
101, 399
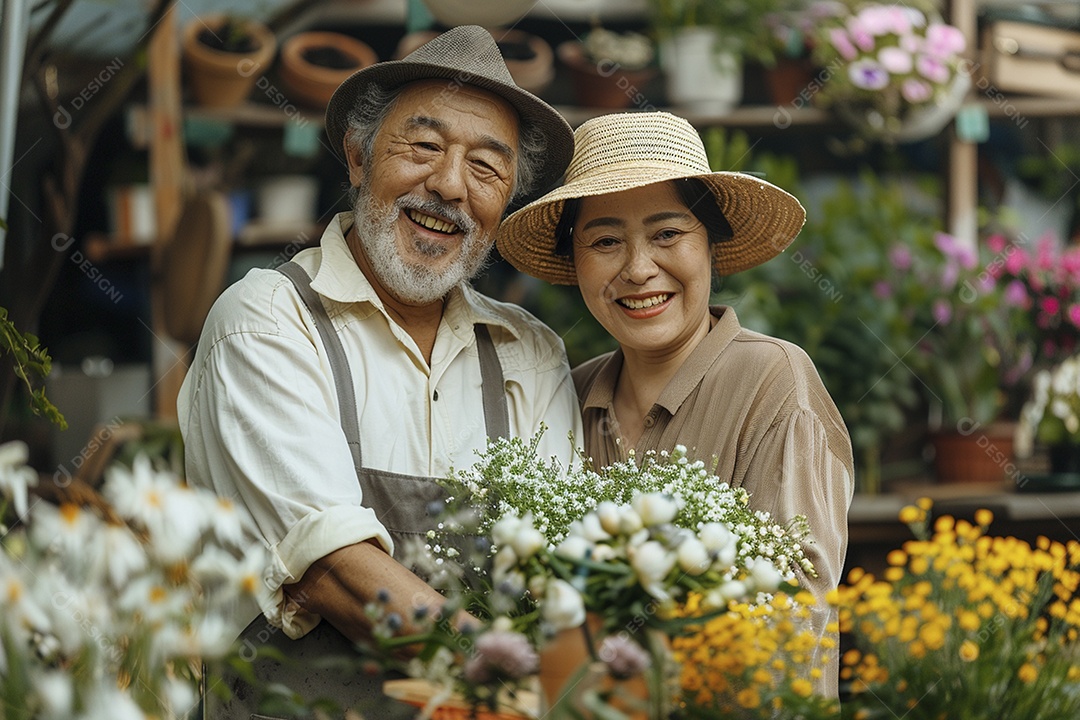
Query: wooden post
962, 197
167, 167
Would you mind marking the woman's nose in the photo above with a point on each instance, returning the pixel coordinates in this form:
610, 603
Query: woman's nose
640, 267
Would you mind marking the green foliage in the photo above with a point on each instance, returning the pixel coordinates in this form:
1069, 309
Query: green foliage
742, 23
32, 365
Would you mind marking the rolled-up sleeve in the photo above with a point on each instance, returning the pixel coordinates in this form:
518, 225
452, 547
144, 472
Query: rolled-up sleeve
260, 422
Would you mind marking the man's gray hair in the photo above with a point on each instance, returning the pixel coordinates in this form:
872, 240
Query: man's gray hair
374, 105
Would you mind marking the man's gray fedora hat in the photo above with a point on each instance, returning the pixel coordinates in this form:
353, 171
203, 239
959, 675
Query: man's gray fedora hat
464, 55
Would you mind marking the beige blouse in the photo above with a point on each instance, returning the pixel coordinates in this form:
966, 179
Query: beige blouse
757, 405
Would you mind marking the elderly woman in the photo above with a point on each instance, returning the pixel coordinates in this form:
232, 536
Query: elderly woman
642, 225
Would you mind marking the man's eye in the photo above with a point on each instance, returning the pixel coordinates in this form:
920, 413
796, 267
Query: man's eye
426, 146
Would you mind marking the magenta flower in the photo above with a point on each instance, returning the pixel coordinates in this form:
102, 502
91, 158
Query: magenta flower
932, 68
1044, 254
842, 43
1015, 262
951, 248
862, 37
868, 75
895, 60
996, 243
916, 91
942, 311
900, 257
1050, 305
1016, 294
1074, 315
944, 41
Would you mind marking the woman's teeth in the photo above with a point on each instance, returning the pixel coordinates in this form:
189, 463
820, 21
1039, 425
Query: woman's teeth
431, 223
636, 304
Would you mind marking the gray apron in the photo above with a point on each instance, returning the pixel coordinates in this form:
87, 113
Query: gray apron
399, 501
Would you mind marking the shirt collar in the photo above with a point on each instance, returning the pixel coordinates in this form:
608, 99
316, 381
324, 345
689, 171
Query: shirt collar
688, 377
339, 278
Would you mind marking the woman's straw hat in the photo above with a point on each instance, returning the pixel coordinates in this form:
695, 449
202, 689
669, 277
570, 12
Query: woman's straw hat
629, 150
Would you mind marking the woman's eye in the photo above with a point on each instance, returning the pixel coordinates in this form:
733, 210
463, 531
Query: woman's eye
605, 242
668, 234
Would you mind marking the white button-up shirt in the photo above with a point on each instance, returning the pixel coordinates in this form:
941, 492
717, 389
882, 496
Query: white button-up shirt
259, 411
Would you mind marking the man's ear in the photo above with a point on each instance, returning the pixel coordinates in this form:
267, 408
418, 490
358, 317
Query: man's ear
354, 156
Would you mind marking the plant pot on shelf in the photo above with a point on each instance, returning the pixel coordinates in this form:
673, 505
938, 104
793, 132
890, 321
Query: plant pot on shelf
602, 85
702, 78
314, 64
982, 455
224, 57
788, 79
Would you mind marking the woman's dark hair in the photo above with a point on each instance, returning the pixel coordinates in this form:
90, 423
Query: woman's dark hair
693, 193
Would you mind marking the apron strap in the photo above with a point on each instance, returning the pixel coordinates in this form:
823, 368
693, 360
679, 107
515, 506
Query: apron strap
493, 385
339, 363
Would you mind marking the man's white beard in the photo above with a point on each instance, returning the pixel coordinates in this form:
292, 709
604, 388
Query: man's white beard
415, 283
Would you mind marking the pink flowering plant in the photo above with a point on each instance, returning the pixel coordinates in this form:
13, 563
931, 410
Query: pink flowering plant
1041, 287
965, 350
887, 63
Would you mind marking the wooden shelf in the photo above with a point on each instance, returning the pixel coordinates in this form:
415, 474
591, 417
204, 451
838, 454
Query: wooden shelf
253, 114
749, 116
1020, 106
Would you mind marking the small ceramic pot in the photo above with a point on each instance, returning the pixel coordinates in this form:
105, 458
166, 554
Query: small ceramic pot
605, 84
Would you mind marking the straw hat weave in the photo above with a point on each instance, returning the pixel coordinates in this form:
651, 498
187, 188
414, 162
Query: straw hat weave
464, 55
623, 151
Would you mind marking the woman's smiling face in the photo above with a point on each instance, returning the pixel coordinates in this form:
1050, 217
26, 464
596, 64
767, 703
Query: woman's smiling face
644, 267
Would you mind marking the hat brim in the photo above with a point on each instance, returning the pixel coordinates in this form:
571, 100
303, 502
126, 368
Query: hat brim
764, 219
395, 73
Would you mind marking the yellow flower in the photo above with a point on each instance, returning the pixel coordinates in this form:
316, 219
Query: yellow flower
911, 514
969, 651
1027, 673
984, 517
748, 698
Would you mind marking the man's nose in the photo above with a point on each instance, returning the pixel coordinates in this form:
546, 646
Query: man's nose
447, 178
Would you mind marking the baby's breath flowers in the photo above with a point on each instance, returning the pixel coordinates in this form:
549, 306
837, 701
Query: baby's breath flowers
964, 624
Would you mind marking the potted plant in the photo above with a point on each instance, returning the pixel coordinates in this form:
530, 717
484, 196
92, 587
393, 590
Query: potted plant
314, 64
224, 56
608, 69
897, 72
702, 46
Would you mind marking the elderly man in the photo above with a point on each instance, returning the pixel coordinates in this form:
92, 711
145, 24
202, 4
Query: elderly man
324, 398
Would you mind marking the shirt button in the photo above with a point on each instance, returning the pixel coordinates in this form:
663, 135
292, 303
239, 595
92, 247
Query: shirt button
649, 421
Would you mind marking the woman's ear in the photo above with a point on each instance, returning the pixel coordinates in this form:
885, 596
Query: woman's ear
354, 156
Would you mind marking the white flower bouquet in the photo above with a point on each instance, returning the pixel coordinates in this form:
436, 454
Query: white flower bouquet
106, 611
535, 549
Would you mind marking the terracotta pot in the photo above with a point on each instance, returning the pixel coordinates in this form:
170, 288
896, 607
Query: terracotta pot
983, 455
312, 84
603, 85
788, 79
566, 667
224, 79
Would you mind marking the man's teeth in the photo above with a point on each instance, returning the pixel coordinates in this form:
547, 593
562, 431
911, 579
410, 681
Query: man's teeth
635, 304
432, 223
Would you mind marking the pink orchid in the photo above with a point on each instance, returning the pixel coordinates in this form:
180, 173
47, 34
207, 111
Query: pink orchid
842, 43
996, 243
1050, 305
944, 41
1016, 295
1074, 315
900, 257
896, 60
932, 68
916, 91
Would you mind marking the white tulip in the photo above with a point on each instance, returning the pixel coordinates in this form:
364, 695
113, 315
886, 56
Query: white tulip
528, 541
655, 508
563, 607
574, 547
503, 532
592, 530
693, 557
609, 515
733, 590
505, 560
629, 520
652, 562
714, 535
765, 575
